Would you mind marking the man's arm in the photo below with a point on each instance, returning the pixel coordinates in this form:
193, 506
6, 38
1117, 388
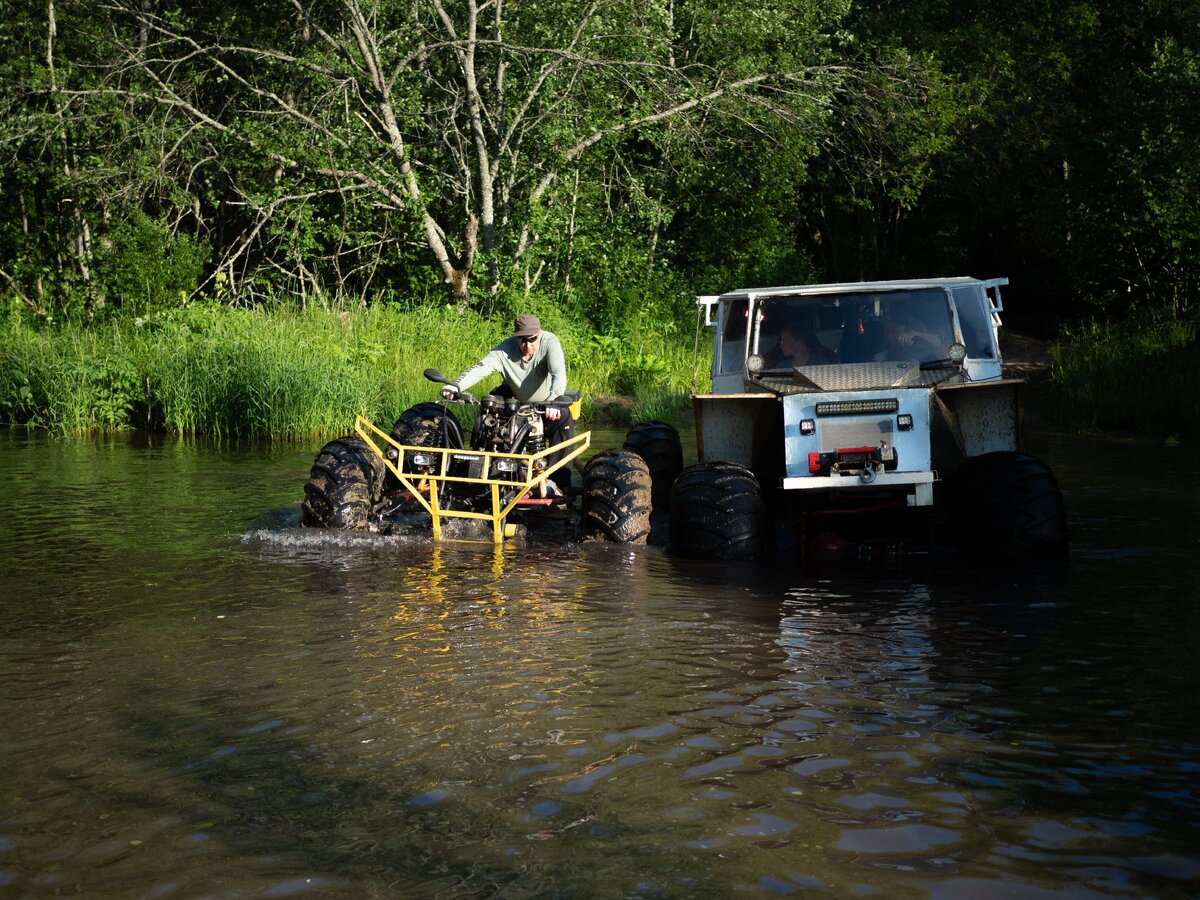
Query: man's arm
556, 364
489, 365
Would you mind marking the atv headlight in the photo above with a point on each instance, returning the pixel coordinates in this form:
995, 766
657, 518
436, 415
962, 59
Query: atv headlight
904, 422
754, 363
505, 465
957, 353
423, 459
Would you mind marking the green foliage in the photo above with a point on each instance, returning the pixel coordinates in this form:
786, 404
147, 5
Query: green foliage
288, 373
1139, 375
144, 267
625, 172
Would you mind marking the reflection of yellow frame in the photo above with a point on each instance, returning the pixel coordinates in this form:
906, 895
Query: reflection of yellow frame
525, 462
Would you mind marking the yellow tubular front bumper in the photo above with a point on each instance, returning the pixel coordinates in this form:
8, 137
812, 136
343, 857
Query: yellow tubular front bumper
525, 479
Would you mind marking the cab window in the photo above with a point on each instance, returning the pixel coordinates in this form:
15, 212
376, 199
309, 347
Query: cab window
975, 322
733, 337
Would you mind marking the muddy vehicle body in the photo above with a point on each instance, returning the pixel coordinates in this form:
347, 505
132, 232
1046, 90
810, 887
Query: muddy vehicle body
494, 483
868, 418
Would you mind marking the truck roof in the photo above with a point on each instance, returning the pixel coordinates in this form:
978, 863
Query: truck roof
843, 287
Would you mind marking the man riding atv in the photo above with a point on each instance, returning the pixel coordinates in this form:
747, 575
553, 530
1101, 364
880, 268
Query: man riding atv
534, 370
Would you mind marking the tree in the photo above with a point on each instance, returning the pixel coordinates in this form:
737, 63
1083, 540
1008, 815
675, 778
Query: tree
355, 130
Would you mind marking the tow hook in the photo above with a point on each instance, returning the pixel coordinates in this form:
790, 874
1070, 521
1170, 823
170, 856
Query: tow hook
867, 475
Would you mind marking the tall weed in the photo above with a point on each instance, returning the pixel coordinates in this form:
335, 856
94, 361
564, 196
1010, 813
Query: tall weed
286, 372
1132, 376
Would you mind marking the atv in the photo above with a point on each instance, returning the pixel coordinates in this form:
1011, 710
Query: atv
425, 476
870, 420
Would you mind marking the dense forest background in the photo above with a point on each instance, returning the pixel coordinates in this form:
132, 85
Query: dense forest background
614, 157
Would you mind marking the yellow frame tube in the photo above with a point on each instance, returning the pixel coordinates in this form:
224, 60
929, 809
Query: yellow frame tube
368, 431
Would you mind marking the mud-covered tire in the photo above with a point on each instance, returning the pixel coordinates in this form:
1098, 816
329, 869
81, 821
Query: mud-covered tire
1008, 506
659, 445
717, 512
344, 484
616, 497
427, 425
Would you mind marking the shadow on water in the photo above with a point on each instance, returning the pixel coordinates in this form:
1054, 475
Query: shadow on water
302, 818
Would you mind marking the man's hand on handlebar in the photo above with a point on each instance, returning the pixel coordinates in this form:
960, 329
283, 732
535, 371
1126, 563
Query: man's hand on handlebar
553, 413
450, 392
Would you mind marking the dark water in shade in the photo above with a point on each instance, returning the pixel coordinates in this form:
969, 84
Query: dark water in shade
198, 704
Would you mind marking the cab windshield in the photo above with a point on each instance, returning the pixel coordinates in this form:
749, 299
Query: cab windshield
913, 325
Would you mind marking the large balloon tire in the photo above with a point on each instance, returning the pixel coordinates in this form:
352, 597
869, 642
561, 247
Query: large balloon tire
1008, 506
659, 445
427, 425
344, 484
616, 497
717, 512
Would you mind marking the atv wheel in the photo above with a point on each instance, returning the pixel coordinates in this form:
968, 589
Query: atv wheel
427, 425
1008, 505
658, 444
345, 483
616, 497
717, 512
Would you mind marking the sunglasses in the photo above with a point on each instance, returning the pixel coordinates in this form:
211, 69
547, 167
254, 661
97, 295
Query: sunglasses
529, 340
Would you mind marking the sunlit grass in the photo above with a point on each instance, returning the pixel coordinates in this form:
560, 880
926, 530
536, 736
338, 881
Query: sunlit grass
290, 373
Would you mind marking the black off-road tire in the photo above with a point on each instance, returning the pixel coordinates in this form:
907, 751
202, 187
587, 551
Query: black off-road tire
1008, 506
616, 497
717, 512
659, 445
345, 483
424, 425
427, 425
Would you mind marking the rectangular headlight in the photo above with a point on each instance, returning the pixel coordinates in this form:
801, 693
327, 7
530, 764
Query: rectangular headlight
904, 422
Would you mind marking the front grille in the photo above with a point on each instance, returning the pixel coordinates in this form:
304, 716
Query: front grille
855, 433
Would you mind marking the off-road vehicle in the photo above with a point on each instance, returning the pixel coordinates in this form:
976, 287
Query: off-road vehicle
871, 418
424, 476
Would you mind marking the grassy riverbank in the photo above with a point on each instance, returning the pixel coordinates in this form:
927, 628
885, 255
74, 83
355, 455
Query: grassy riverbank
1129, 377
288, 373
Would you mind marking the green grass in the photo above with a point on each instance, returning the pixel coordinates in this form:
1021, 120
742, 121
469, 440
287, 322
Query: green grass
1140, 377
289, 373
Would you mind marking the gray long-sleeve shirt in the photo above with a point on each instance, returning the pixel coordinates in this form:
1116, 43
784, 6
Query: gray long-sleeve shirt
544, 377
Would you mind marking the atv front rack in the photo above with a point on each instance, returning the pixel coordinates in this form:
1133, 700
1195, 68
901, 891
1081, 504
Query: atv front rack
504, 493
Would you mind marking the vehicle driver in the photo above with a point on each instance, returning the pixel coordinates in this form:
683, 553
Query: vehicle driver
534, 370
908, 337
798, 346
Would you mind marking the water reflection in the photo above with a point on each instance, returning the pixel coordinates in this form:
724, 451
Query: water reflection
198, 709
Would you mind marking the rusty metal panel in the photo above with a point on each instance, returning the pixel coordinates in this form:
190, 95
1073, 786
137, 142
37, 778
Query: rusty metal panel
985, 416
726, 425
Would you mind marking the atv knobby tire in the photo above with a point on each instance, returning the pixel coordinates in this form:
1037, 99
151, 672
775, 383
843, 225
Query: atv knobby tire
659, 445
717, 512
1008, 506
616, 497
345, 483
427, 425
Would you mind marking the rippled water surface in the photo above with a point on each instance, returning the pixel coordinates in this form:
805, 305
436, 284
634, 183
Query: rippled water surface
200, 701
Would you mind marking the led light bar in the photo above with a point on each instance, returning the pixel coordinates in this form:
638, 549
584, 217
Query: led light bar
857, 407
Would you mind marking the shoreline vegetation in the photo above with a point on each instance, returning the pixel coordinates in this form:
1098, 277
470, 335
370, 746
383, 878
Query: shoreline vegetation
284, 373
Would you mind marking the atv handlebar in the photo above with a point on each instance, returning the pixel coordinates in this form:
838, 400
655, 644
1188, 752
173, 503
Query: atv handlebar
562, 403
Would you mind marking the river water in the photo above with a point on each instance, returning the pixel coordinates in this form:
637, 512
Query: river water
199, 701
